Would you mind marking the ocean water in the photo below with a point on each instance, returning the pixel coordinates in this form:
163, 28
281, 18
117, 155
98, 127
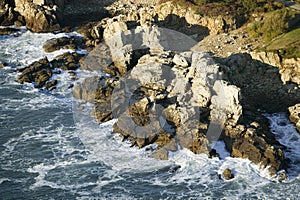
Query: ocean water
51, 150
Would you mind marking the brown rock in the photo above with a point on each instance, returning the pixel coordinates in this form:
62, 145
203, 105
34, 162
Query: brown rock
67, 61
227, 174
51, 84
258, 145
40, 16
73, 42
38, 73
8, 30
7, 14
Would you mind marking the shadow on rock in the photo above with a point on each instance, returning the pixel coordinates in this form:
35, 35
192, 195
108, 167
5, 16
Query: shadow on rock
260, 83
180, 24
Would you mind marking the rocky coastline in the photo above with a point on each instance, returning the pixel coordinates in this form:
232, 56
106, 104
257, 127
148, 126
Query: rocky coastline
179, 96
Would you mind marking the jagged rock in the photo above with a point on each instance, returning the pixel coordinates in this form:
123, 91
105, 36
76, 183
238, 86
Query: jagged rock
140, 123
295, 115
257, 144
227, 174
73, 42
40, 16
168, 11
7, 13
97, 90
38, 73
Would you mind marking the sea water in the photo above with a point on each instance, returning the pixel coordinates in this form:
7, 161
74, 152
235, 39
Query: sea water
49, 150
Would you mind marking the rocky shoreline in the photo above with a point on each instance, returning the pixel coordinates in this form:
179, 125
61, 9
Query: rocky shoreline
159, 84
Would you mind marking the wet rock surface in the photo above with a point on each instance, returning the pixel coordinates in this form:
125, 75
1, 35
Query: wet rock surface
40, 72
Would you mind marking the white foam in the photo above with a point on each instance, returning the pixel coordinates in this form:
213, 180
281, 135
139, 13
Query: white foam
219, 146
2, 180
286, 133
28, 47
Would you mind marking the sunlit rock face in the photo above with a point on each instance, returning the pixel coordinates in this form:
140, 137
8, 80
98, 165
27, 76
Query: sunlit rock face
166, 92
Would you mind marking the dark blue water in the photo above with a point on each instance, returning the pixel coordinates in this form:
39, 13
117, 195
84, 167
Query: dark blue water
49, 150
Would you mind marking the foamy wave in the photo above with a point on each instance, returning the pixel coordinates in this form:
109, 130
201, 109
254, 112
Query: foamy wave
28, 47
286, 134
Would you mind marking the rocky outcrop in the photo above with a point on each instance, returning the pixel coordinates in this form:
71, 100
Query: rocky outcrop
256, 142
262, 91
51, 15
38, 73
40, 15
295, 115
260, 84
288, 68
216, 25
182, 100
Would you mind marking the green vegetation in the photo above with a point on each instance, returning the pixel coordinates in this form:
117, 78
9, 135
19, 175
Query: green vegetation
272, 24
287, 45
